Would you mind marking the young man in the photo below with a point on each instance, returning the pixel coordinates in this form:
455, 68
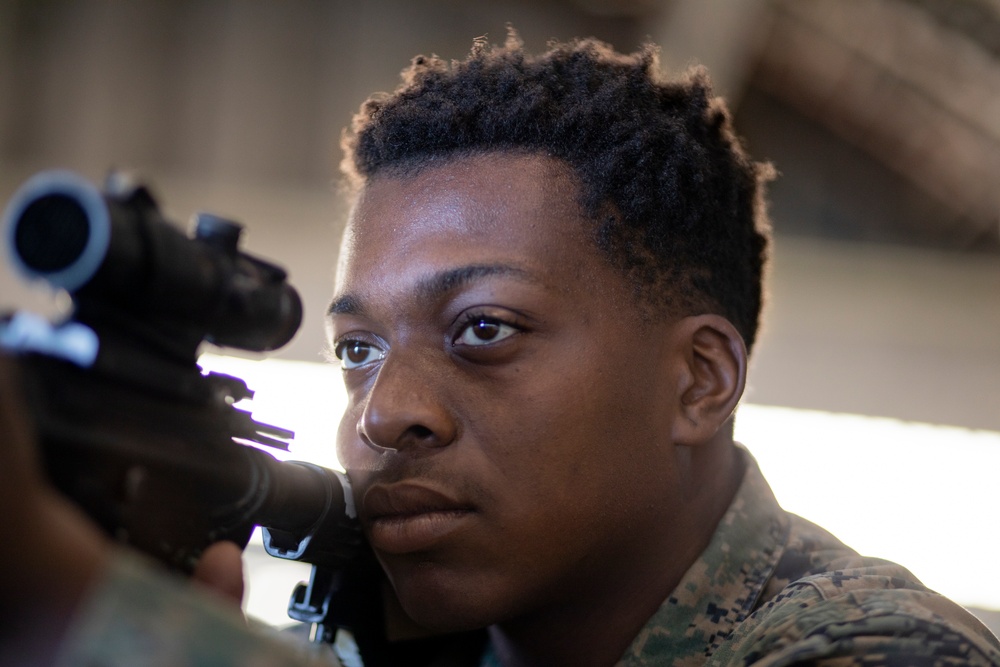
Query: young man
545, 299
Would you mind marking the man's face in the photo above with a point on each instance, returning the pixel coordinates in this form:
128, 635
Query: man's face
507, 405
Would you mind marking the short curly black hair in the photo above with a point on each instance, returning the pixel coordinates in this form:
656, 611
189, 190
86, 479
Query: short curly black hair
677, 204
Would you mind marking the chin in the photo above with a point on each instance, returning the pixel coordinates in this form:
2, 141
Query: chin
441, 602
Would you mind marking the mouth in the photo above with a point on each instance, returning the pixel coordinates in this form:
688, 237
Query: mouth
408, 517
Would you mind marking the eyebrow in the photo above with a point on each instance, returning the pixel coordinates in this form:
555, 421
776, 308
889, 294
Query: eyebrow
436, 285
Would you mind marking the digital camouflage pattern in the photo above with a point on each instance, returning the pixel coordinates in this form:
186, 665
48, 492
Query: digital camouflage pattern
774, 589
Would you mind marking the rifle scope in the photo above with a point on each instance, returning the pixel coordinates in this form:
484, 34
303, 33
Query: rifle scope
116, 249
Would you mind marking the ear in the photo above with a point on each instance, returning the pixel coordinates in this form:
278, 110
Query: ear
713, 369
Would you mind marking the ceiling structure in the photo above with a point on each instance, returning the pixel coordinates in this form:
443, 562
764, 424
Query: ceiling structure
912, 85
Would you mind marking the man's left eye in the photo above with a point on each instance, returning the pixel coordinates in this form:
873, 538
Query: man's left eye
484, 331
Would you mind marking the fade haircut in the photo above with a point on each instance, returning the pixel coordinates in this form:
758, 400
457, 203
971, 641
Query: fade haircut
677, 204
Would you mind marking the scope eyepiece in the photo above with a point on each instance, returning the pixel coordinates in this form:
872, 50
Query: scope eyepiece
57, 228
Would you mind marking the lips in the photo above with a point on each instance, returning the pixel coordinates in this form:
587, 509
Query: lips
408, 517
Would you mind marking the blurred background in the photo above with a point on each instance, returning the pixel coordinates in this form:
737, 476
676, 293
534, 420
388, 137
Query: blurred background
881, 116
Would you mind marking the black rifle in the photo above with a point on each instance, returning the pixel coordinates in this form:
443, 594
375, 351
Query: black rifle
148, 445
129, 426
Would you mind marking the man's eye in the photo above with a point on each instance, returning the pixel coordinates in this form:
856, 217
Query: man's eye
483, 331
355, 353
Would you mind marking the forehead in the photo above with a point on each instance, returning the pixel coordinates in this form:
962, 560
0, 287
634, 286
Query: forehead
521, 210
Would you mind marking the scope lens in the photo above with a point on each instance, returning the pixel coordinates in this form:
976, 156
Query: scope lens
51, 233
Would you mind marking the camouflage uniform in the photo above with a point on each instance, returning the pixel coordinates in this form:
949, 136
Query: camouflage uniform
771, 589
774, 589
141, 616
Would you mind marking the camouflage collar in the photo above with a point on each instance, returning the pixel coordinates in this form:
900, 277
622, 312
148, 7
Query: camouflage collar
722, 587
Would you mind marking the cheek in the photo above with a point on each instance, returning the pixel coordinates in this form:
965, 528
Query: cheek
591, 404
563, 474
570, 443
593, 461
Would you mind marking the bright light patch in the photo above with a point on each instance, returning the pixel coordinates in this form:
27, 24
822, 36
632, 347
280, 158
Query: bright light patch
922, 495
305, 397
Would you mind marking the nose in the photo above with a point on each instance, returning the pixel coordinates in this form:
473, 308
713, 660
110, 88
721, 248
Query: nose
405, 409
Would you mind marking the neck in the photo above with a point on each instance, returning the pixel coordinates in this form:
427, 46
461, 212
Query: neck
596, 627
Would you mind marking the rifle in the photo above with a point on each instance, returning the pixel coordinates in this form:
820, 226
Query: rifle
130, 429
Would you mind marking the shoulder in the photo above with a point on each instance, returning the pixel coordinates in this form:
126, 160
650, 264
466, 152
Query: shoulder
138, 614
861, 611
